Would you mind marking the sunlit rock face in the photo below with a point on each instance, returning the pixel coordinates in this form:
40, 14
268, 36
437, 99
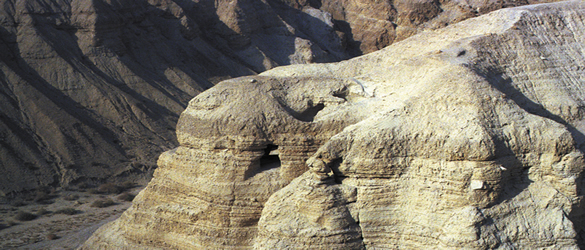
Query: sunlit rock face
370, 25
470, 136
92, 90
241, 141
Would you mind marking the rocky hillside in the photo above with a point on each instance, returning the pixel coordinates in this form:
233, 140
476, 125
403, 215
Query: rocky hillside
93, 89
470, 136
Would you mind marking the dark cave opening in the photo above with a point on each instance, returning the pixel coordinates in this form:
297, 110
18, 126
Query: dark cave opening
270, 159
338, 176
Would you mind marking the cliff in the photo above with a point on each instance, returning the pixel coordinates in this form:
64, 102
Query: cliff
92, 90
470, 136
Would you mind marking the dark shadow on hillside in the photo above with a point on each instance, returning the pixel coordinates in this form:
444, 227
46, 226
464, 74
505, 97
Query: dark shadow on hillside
87, 126
64, 42
64, 102
325, 37
149, 51
267, 32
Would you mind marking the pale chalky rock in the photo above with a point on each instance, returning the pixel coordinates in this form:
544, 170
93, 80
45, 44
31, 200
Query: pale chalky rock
92, 90
241, 141
465, 137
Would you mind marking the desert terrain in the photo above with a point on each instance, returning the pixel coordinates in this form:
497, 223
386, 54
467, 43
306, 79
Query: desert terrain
62, 219
277, 124
470, 136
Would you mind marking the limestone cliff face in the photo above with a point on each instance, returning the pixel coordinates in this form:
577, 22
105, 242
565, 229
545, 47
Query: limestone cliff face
93, 89
470, 136
241, 141
370, 25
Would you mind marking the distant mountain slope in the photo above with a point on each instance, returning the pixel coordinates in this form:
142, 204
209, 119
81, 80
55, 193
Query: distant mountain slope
467, 137
91, 90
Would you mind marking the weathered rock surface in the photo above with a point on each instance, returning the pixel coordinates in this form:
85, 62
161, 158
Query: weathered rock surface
249, 137
93, 89
370, 25
470, 136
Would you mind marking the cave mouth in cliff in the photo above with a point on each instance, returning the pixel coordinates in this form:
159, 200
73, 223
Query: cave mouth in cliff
270, 159
338, 176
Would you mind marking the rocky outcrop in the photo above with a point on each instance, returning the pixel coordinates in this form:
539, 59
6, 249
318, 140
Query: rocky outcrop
370, 25
470, 136
92, 90
249, 137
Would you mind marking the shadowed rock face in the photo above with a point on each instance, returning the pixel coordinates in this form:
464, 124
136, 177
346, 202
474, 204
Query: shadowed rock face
92, 90
470, 136
370, 25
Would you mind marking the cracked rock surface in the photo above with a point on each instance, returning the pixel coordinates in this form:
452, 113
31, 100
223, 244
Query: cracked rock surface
91, 91
470, 136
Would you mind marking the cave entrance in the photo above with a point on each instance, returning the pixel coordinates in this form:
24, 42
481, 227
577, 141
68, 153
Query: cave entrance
337, 174
270, 159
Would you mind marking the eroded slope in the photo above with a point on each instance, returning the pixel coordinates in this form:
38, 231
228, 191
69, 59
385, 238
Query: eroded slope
92, 90
468, 136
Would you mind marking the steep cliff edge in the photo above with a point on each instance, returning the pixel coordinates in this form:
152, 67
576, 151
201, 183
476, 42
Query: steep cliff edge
469, 136
92, 90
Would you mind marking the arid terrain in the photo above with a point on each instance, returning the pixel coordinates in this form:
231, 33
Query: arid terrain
91, 91
62, 220
466, 137
291, 124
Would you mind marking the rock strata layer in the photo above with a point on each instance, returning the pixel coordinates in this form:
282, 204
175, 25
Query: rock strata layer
470, 136
92, 90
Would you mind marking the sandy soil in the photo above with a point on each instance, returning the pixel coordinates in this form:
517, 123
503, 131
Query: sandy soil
70, 230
